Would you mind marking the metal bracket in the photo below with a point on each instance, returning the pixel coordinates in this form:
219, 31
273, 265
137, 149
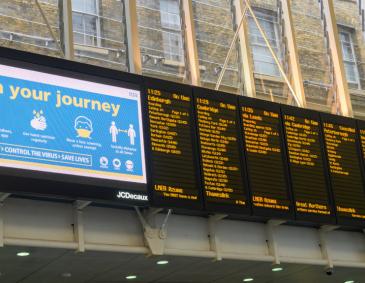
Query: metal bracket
271, 239
213, 237
323, 243
3, 197
79, 205
154, 236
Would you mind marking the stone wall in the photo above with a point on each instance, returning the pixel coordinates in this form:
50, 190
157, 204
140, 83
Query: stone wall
22, 26
214, 28
347, 15
313, 53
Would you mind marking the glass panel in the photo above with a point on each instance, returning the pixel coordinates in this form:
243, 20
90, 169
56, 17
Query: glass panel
214, 27
161, 39
99, 33
348, 55
78, 5
260, 51
22, 26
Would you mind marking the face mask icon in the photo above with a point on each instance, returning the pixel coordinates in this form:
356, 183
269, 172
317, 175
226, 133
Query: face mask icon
83, 127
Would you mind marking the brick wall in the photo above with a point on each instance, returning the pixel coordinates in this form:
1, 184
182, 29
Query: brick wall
22, 26
347, 14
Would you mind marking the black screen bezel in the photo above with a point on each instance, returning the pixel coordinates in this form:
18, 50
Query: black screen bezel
64, 186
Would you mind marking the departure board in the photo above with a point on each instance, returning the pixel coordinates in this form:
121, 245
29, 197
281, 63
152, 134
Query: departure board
308, 171
345, 168
222, 175
174, 170
262, 131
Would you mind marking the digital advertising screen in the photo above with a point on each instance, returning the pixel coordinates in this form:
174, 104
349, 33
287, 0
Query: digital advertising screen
174, 166
265, 157
308, 170
77, 130
346, 171
217, 117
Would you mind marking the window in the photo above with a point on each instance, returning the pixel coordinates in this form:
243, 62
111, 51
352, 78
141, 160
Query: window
86, 22
161, 39
264, 62
348, 53
171, 26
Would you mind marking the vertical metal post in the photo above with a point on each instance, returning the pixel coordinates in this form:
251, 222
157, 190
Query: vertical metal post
343, 94
68, 38
190, 42
245, 50
293, 53
134, 52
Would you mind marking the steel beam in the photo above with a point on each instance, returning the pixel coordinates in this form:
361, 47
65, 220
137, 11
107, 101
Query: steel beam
296, 72
342, 90
134, 51
190, 43
68, 38
245, 51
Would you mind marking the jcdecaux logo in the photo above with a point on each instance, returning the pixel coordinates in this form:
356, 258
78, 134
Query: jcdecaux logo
128, 195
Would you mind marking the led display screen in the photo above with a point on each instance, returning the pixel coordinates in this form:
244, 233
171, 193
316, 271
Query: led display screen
265, 155
343, 156
308, 171
219, 146
174, 167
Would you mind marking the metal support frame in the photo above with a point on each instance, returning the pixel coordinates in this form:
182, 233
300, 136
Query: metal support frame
154, 236
245, 50
233, 42
271, 239
342, 91
213, 236
134, 52
68, 38
190, 42
79, 224
293, 53
322, 232
49, 28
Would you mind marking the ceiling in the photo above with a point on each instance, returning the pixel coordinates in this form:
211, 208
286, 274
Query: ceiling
57, 265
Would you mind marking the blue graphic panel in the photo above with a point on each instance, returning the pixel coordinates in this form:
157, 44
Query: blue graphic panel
72, 131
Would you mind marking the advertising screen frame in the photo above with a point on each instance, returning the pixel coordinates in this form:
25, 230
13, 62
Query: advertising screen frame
65, 186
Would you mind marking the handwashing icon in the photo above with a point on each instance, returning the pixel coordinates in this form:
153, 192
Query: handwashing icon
83, 127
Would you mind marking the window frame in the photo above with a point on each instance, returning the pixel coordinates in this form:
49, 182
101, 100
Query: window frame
97, 24
275, 26
169, 32
350, 33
